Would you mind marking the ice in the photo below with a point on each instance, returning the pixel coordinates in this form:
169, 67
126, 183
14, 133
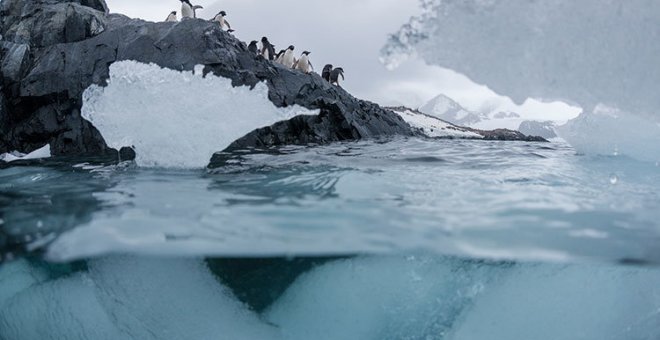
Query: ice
63, 309
608, 131
589, 53
16, 277
567, 302
172, 299
176, 119
377, 297
422, 298
43, 152
380, 298
131, 298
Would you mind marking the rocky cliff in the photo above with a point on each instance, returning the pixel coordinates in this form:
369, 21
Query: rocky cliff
53, 50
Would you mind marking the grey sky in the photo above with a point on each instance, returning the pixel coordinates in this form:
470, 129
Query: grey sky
345, 33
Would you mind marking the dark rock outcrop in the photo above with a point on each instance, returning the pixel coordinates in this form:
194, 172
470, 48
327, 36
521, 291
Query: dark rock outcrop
53, 50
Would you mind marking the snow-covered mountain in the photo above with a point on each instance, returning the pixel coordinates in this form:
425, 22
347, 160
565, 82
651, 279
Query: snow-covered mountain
445, 108
535, 128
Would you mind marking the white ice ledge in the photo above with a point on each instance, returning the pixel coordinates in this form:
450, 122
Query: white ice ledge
43, 152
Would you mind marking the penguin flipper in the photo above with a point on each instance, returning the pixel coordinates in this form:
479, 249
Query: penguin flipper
197, 7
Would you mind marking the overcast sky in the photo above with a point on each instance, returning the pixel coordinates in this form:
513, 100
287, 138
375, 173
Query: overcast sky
350, 34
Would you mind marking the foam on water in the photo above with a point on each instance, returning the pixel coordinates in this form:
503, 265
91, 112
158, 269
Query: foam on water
548, 50
176, 119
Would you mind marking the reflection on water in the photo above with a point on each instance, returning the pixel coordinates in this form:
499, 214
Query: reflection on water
529, 201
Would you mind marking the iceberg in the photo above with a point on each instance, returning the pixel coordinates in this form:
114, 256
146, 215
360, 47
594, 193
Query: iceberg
177, 119
589, 53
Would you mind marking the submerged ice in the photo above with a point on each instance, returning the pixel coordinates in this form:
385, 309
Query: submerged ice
592, 53
360, 298
177, 119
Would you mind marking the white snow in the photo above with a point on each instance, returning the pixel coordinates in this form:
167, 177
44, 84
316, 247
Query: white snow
434, 127
43, 152
447, 109
177, 119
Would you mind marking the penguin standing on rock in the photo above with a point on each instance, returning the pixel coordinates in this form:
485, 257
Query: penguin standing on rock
278, 58
327, 69
220, 18
303, 63
253, 48
288, 60
267, 49
334, 76
171, 17
188, 10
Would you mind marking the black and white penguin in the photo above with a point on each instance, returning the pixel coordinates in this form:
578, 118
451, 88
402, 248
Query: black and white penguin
288, 59
327, 69
334, 76
304, 64
188, 10
267, 49
171, 17
253, 47
278, 57
220, 18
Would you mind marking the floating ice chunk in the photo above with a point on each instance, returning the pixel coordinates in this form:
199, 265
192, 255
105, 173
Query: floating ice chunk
608, 131
177, 119
43, 152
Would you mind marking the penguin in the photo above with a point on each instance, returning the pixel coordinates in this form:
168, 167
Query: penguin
188, 10
267, 49
253, 47
303, 63
327, 69
334, 76
288, 59
278, 58
220, 18
171, 17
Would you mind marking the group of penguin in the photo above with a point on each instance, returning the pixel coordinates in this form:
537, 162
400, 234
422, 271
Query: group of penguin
267, 50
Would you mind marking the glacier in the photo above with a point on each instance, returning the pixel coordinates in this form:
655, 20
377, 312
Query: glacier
590, 53
177, 119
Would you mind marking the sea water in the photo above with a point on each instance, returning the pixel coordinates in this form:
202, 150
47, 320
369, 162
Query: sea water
404, 238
